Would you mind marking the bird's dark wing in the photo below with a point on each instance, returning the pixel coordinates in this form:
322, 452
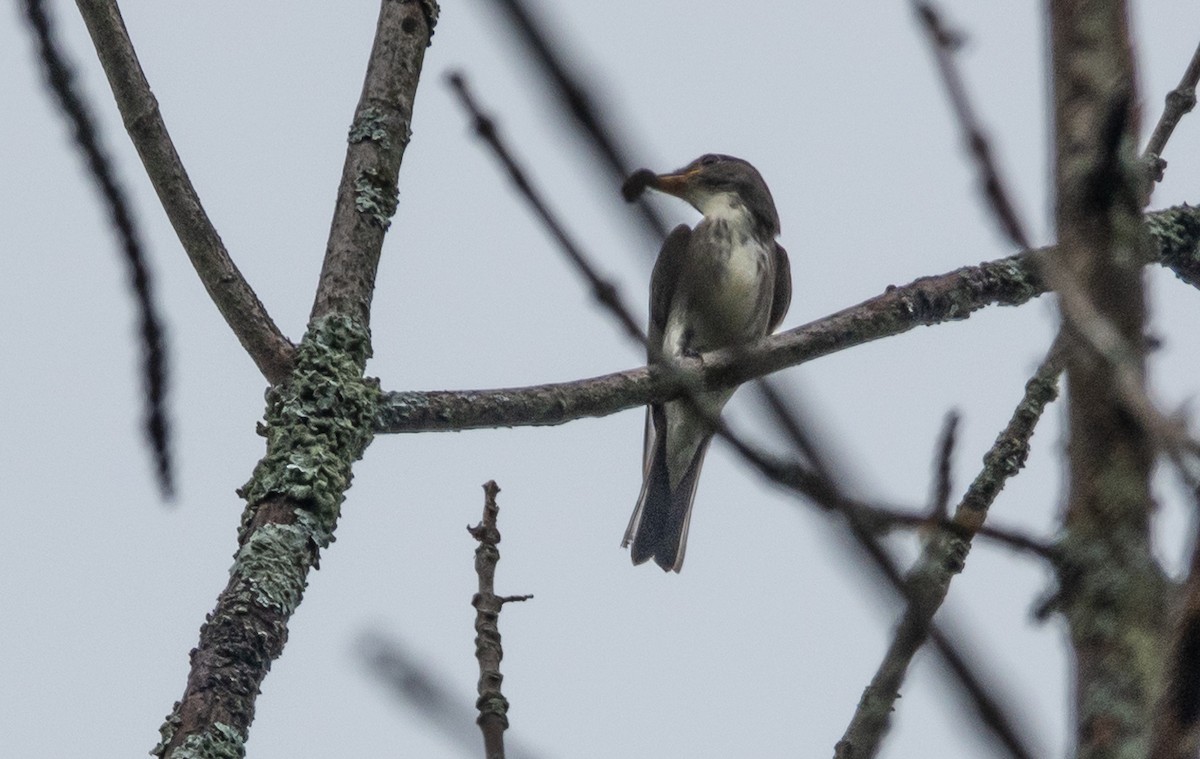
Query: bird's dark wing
783, 288
664, 281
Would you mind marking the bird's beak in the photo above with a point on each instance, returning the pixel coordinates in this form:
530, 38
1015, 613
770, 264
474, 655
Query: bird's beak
675, 183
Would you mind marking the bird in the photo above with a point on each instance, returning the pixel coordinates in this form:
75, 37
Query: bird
724, 283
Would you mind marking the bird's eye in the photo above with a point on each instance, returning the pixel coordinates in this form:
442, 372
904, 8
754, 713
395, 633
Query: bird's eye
708, 160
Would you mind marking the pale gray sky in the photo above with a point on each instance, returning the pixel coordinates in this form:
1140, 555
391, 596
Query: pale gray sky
762, 646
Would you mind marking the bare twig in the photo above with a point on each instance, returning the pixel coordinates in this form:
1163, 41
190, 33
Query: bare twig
154, 358
233, 296
1179, 102
492, 705
876, 518
980, 691
409, 679
578, 102
604, 291
944, 556
419, 687
939, 506
944, 43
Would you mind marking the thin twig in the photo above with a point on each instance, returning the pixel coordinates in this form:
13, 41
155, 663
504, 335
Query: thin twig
1176, 731
577, 101
419, 687
943, 557
944, 44
492, 705
603, 290
271, 352
408, 677
1177, 714
876, 518
1179, 102
87, 139
860, 522
981, 691
939, 507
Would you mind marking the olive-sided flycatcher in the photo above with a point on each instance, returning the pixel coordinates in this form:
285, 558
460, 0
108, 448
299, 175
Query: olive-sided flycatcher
724, 283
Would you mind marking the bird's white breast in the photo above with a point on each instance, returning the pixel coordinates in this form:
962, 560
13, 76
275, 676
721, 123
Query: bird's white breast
739, 278
725, 301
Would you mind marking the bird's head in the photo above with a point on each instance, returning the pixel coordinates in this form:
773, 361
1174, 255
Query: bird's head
713, 182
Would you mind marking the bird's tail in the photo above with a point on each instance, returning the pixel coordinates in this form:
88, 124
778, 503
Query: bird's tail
659, 525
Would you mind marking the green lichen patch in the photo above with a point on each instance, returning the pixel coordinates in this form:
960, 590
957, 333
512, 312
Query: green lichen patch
1110, 582
273, 561
318, 424
376, 197
1018, 278
370, 124
1176, 232
221, 741
167, 731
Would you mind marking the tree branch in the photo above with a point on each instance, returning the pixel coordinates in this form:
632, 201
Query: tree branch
271, 352
604, 291
154, 359
379, 134
318, 423
1113, 593
926, 301
944, 556
577, 102
492, 705
944, 43
1180, 102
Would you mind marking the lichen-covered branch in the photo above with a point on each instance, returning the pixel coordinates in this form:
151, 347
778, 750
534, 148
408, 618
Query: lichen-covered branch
1175, 236
943, 557
930, 300
367, 194
319, 420
318, 424
1112, 593
233, 296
